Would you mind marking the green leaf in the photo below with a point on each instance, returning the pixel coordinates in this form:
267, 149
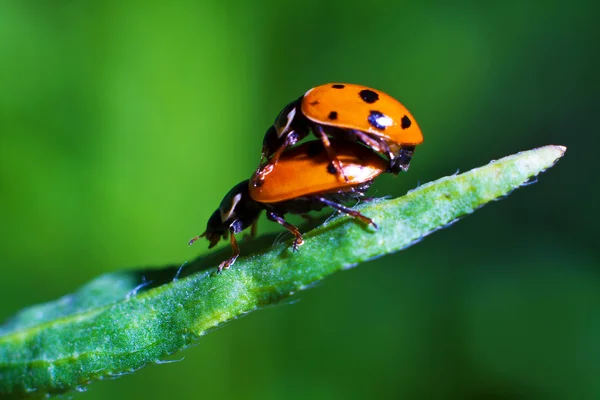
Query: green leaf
121, 321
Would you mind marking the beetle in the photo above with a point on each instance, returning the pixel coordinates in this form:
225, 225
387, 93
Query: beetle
345, 111
303, 181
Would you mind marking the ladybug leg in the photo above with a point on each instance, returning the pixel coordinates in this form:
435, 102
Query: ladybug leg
264, 169
330, 153
298, 241
402, 162
346, 210
375, 144
236, 253
378, 145
271, 142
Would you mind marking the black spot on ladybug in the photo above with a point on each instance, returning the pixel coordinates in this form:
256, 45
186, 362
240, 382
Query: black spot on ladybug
314, 148
405, 122
368, 96
314, 103
375, 119
332, 115
338, 86
331, 169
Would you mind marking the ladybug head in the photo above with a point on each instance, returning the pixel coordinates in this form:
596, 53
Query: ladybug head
402, 160
215, 230
289, 120
236, 212
284, 120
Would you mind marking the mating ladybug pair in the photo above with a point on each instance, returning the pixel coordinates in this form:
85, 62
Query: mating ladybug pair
356, 126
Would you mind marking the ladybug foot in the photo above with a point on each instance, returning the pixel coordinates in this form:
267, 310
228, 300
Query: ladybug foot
297, 243
226, 264
261, 174
364, 219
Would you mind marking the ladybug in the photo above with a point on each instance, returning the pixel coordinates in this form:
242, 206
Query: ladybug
345, 111
302, 181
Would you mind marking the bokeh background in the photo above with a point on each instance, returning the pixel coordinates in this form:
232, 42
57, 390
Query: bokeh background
122, 125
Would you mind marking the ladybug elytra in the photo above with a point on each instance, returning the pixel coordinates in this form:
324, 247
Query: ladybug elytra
344, 111
300, 183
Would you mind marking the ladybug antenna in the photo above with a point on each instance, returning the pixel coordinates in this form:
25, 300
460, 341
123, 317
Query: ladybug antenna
196, 238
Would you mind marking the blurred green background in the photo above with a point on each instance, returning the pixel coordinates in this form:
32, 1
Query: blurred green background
122, 125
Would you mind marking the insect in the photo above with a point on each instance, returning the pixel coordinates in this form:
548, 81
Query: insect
344, 111
300, 183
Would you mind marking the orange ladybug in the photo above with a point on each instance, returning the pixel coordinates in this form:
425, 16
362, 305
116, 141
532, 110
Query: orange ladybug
344, 111
303, 181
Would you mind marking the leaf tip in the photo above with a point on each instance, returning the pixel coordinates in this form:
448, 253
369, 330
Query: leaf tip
559, 151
